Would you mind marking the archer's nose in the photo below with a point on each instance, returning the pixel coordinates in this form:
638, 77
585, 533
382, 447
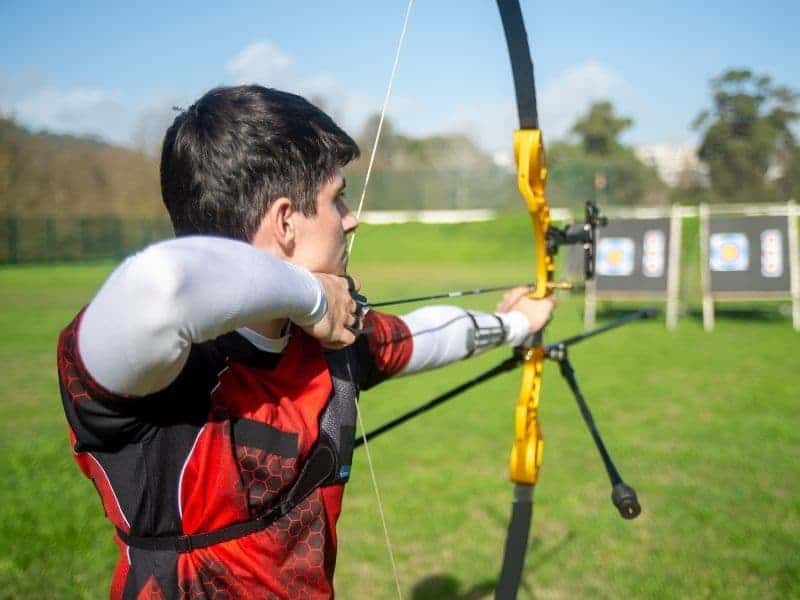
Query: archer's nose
349, 221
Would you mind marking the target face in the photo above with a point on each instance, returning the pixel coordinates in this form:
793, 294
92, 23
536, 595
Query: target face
729, 252
615, 257
771, 253
653, 253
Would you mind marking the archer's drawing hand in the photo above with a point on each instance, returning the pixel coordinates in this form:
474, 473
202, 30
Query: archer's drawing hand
537, 311
334, 329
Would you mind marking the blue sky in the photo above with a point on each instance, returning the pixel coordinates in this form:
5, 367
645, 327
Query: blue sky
116, 68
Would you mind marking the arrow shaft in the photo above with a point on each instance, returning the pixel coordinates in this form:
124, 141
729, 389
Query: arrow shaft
444, 295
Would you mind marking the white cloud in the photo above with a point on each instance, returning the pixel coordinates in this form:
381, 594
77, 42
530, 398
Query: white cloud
569, 95
78, 110
100, 111
561, 101
488, 125
34, 102
152, 121
93, 110
14, 87
262, 63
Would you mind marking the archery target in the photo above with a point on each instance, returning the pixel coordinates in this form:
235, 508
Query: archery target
771, 253
653, 253
749, 255
615, 257
729, 252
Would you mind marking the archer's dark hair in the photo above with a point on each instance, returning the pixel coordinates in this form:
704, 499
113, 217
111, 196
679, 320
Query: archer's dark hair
237, 149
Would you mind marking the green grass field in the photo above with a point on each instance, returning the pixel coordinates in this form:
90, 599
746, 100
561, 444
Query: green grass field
705, 426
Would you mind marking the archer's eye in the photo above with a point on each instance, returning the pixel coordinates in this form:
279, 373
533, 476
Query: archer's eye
341, 200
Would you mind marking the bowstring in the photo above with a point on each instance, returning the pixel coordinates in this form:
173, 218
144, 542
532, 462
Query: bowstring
385, 106
382, 118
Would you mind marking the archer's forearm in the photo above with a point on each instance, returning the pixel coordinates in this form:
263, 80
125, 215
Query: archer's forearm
445, 334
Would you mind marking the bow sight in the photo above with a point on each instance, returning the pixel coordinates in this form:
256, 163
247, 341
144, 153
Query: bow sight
579, 233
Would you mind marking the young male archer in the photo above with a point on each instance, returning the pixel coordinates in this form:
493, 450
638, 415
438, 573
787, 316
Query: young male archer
210, 385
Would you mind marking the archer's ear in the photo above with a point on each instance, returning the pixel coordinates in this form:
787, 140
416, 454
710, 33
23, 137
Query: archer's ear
277, 230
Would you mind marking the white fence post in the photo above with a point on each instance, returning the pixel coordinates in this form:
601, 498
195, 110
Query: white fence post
705, 273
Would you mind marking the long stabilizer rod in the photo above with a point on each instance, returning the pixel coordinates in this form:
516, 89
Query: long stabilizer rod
507, 365
642, 313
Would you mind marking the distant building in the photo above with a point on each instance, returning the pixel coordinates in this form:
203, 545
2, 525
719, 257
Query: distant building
504, 159
676, 165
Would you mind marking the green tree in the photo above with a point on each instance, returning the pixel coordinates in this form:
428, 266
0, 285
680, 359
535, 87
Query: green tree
443, 171
387, 145
600, 166
747, 139
44, 174
600, 128
789, 182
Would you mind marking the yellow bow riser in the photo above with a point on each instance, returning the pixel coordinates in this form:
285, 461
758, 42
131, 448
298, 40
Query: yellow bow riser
531, 179
526, 454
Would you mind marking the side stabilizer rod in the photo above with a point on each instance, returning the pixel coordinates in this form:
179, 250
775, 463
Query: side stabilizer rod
507, 365
622, 495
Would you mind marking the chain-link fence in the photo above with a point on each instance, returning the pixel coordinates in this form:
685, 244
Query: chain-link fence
57, 239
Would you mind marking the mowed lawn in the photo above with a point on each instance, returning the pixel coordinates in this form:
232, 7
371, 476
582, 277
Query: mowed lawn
706, 427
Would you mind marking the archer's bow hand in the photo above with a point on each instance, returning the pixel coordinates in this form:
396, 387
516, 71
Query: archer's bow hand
339, 325
537, 312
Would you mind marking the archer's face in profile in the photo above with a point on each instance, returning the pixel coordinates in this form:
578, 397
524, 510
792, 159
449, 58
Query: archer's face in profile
317, 242
321, 239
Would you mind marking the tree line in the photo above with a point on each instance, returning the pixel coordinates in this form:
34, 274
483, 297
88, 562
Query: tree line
748, 151
48, 174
